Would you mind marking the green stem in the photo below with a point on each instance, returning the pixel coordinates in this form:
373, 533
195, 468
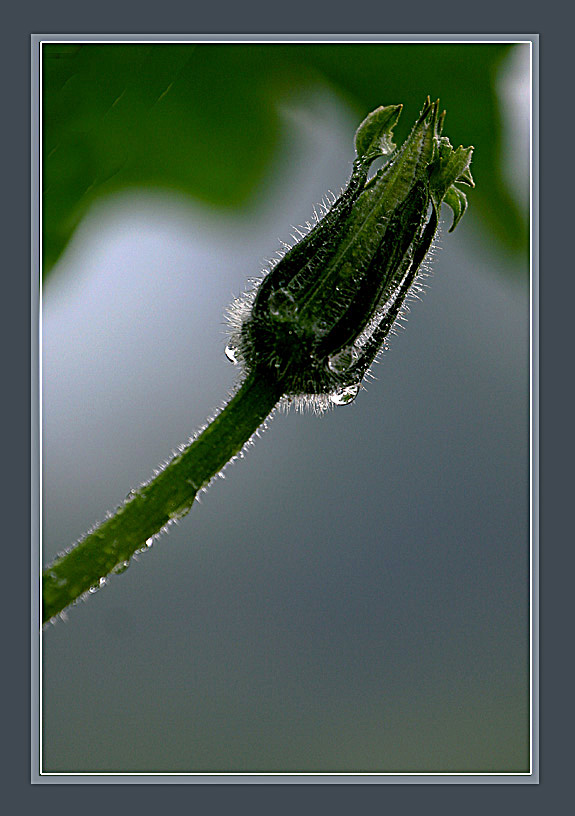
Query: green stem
168, 496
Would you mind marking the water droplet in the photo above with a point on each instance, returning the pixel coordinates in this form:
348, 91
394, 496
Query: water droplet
96, 587
320, 325
150, 541
343, 396
231, 353
282, 305
340, 362
121, 567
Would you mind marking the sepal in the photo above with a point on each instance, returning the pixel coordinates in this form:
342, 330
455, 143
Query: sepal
374, 136
457, 200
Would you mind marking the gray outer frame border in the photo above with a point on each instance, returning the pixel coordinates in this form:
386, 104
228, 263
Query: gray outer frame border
36, 776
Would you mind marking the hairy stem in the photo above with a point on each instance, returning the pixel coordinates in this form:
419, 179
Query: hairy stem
169, 495
305, 334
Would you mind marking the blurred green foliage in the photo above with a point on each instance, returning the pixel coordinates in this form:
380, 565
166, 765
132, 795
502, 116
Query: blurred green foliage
202, 118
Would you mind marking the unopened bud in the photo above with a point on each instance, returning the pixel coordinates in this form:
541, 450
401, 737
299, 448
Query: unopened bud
318, 319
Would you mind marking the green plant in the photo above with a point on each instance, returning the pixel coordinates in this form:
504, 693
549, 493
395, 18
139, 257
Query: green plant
307, 333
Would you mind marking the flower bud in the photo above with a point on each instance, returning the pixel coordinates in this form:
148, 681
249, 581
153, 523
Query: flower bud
317, 320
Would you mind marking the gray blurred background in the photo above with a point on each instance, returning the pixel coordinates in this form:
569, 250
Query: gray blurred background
354, 595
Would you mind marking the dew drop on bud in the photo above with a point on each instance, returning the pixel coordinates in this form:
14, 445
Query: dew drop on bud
321, 325
343, 396
96, 587
282, 305
340, 362
231, 353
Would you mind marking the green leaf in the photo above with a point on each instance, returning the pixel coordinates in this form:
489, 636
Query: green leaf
177, 117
